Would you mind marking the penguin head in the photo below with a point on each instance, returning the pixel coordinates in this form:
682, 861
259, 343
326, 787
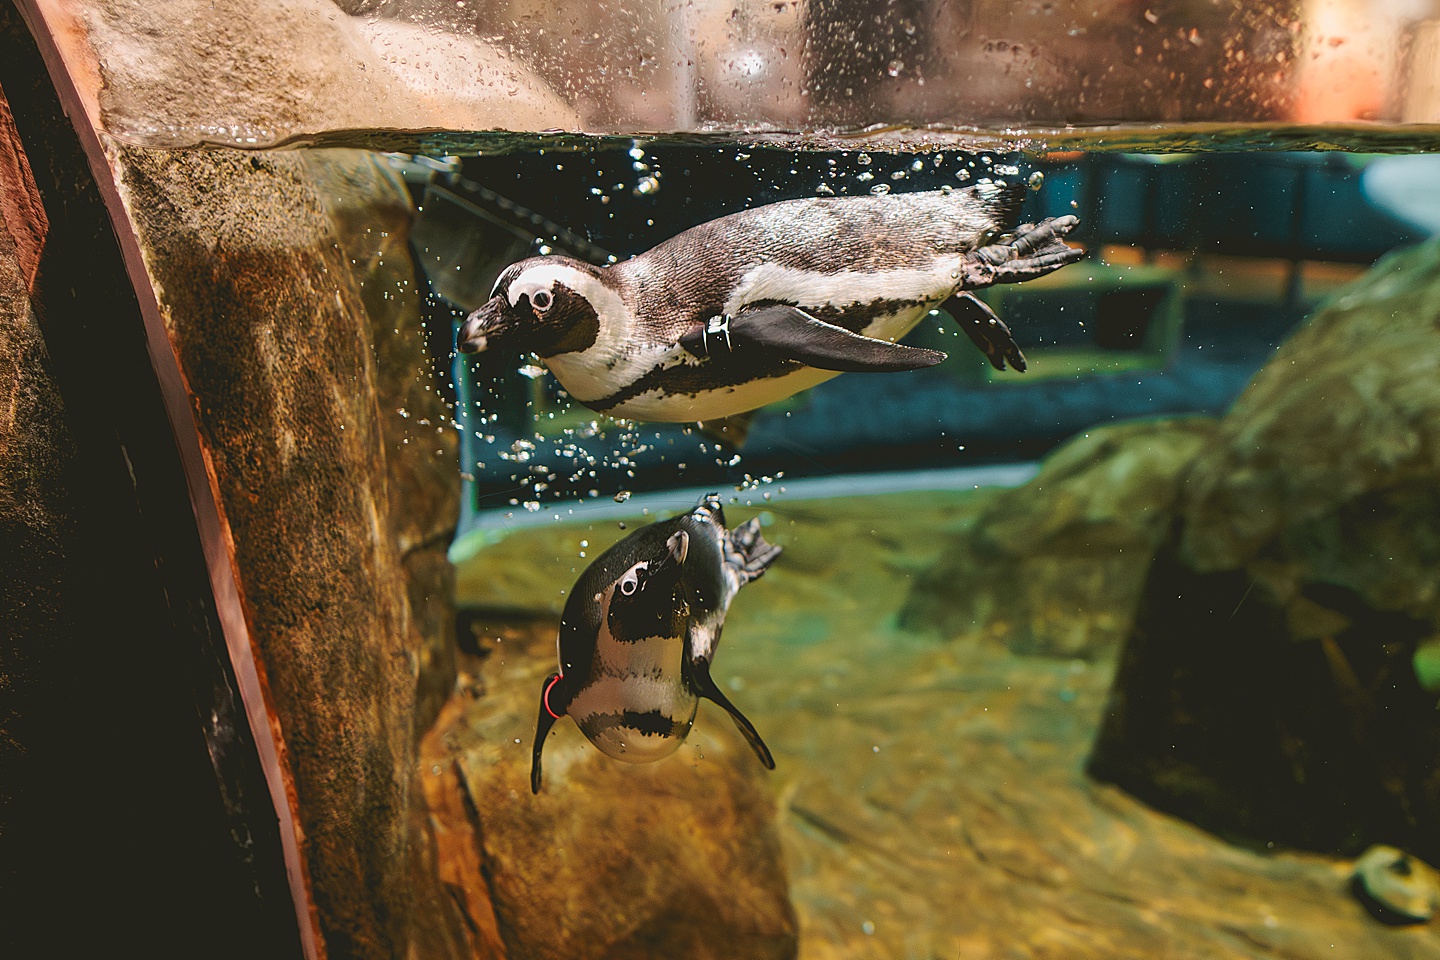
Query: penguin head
543, 305
645, 600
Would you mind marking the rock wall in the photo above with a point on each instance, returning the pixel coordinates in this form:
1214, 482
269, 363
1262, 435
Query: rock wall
292, 305
119, 726
38, 522
1055, 567
1268, 690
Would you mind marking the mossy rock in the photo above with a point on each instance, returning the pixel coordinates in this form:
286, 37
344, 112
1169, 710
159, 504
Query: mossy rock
1055, 567
1269, 687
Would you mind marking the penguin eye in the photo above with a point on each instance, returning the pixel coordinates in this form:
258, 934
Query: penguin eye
541, 300
631, 581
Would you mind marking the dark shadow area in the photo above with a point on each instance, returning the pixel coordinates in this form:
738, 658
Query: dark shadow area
138, 819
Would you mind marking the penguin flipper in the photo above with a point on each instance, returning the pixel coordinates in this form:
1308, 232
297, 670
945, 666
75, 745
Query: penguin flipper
791, 333
542, 731
705, 687
986, 330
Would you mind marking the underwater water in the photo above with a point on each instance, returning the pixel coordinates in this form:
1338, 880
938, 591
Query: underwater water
1094, 660
1116, 634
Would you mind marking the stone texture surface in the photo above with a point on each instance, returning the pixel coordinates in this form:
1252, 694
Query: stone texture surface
1056, 566
291, 304
932, 796
678, 858
38, 524
372, 214
1268, 688
196, 71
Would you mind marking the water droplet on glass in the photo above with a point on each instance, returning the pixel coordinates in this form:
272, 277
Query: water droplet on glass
825, 189
622, 496
1036, 180
880, 189
865, 175
647, 186
532, 370
895, 67
863, 159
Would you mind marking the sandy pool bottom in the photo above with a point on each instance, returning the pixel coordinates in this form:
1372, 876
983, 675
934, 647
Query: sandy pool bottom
931, 792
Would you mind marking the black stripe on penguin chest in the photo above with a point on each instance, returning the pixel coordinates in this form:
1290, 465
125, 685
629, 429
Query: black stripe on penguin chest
652, 723
692, 379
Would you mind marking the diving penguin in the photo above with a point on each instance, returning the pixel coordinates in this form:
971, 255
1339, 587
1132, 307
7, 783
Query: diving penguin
639, 633
750, 308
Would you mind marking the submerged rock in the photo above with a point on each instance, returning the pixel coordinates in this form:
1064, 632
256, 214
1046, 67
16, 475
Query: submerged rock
932, 799
676, 858
1397, 885
1268, 688
288, 295
1055, 567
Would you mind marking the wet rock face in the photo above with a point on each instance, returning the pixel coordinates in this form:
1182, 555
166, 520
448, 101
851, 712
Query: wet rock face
280, 280
223, 71
38, 519
1055, 567
1268, 690
677, 858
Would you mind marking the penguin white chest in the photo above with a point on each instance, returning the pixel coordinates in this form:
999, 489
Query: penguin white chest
681, 404
637, 706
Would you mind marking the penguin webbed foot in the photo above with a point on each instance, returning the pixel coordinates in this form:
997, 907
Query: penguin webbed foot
752, 556
792, 334
1033, 251
543, 724
986, 330
705, 687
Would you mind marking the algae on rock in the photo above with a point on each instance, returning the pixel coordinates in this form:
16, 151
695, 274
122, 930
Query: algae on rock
267, 269
610, 861
1268, 688
1055, 567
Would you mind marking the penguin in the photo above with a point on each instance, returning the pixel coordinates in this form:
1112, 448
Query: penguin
747, 309
639, 632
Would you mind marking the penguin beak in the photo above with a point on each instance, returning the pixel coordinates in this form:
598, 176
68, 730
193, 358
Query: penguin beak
481, 329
